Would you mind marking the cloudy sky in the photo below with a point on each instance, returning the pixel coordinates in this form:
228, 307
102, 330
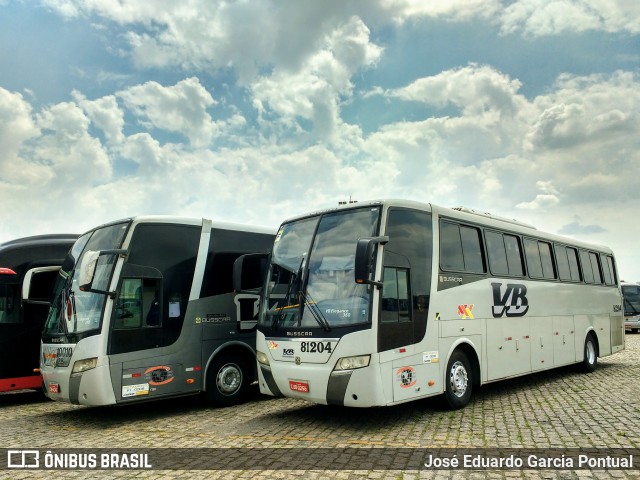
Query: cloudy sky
254, 111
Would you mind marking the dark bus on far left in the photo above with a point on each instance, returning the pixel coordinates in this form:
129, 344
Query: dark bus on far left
28, 269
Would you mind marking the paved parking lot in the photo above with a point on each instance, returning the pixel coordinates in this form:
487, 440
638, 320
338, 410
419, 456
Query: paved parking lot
560, 409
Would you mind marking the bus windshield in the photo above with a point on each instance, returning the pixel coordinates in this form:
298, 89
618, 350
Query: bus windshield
311, 276
72, 310
631, 296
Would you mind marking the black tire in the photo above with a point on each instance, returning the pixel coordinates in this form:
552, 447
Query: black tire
459, 381
590, 360
228, 380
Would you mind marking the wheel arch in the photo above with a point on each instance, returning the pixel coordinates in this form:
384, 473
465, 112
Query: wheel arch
230, 349
472, 355
592, 331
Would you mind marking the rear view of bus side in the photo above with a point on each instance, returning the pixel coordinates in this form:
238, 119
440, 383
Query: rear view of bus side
385, 302
28, 269
144, 309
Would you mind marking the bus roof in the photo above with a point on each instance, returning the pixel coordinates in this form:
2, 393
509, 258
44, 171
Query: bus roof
21, 253
49, 239
189, 221
465, 214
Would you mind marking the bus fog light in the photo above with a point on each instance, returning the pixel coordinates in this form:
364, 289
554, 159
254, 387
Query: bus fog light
262, 358
84, 365
351, 363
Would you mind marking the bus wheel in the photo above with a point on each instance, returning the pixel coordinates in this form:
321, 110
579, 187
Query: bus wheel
227, 381
459, 381
590, 361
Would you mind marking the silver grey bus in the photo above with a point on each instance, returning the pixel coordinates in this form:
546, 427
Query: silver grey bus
144, 309
384, 302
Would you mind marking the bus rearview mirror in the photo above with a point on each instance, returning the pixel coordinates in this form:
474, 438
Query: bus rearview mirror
364, 259
88, 267
249, 271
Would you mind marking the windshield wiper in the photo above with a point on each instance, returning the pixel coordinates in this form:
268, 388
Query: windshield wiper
277, 318
316, 313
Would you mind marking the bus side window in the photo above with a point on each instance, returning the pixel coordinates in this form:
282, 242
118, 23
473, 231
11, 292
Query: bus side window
395, 296
595, 266
138, 305
504, 252
608, 271
587, 268
450, 247
562, 261
574, 268
461, 248
539, 259
129, 304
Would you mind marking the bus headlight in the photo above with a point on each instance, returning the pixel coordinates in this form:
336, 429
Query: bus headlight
262, 358
351, 363
84, 365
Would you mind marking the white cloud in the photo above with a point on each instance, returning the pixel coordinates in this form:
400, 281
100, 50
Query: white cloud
455, 10
104, 114
553, 17
314, 91
181, 109
16, 125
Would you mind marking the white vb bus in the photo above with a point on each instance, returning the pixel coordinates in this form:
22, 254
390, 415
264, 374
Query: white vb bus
144, 309
389, 301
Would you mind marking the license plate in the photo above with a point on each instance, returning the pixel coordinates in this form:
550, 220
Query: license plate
296, 386
54, 388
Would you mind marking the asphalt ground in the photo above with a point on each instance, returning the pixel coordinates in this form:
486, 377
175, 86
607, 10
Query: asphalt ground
557, 414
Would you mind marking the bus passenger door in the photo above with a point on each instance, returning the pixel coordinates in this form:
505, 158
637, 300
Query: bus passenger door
396, 328
404, 302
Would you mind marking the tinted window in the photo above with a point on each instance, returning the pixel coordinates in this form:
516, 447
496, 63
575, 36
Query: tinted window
514, 255
563, 263
546, 260
609, 271
594, 258
461, 248
472, 250
587, 269
572, 257
224, 248
451, 247
534, 264
539, 260
395, 295
497, 253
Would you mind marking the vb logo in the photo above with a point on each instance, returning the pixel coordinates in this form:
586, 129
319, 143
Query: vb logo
510, 300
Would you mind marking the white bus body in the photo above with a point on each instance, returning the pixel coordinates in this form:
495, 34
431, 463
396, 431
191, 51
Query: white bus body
144, 309
441, 300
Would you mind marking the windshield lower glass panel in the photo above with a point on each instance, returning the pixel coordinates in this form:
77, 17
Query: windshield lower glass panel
74, 311
318, 289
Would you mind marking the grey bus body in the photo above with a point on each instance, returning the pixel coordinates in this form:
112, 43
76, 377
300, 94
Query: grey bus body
145, 309
28, 267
